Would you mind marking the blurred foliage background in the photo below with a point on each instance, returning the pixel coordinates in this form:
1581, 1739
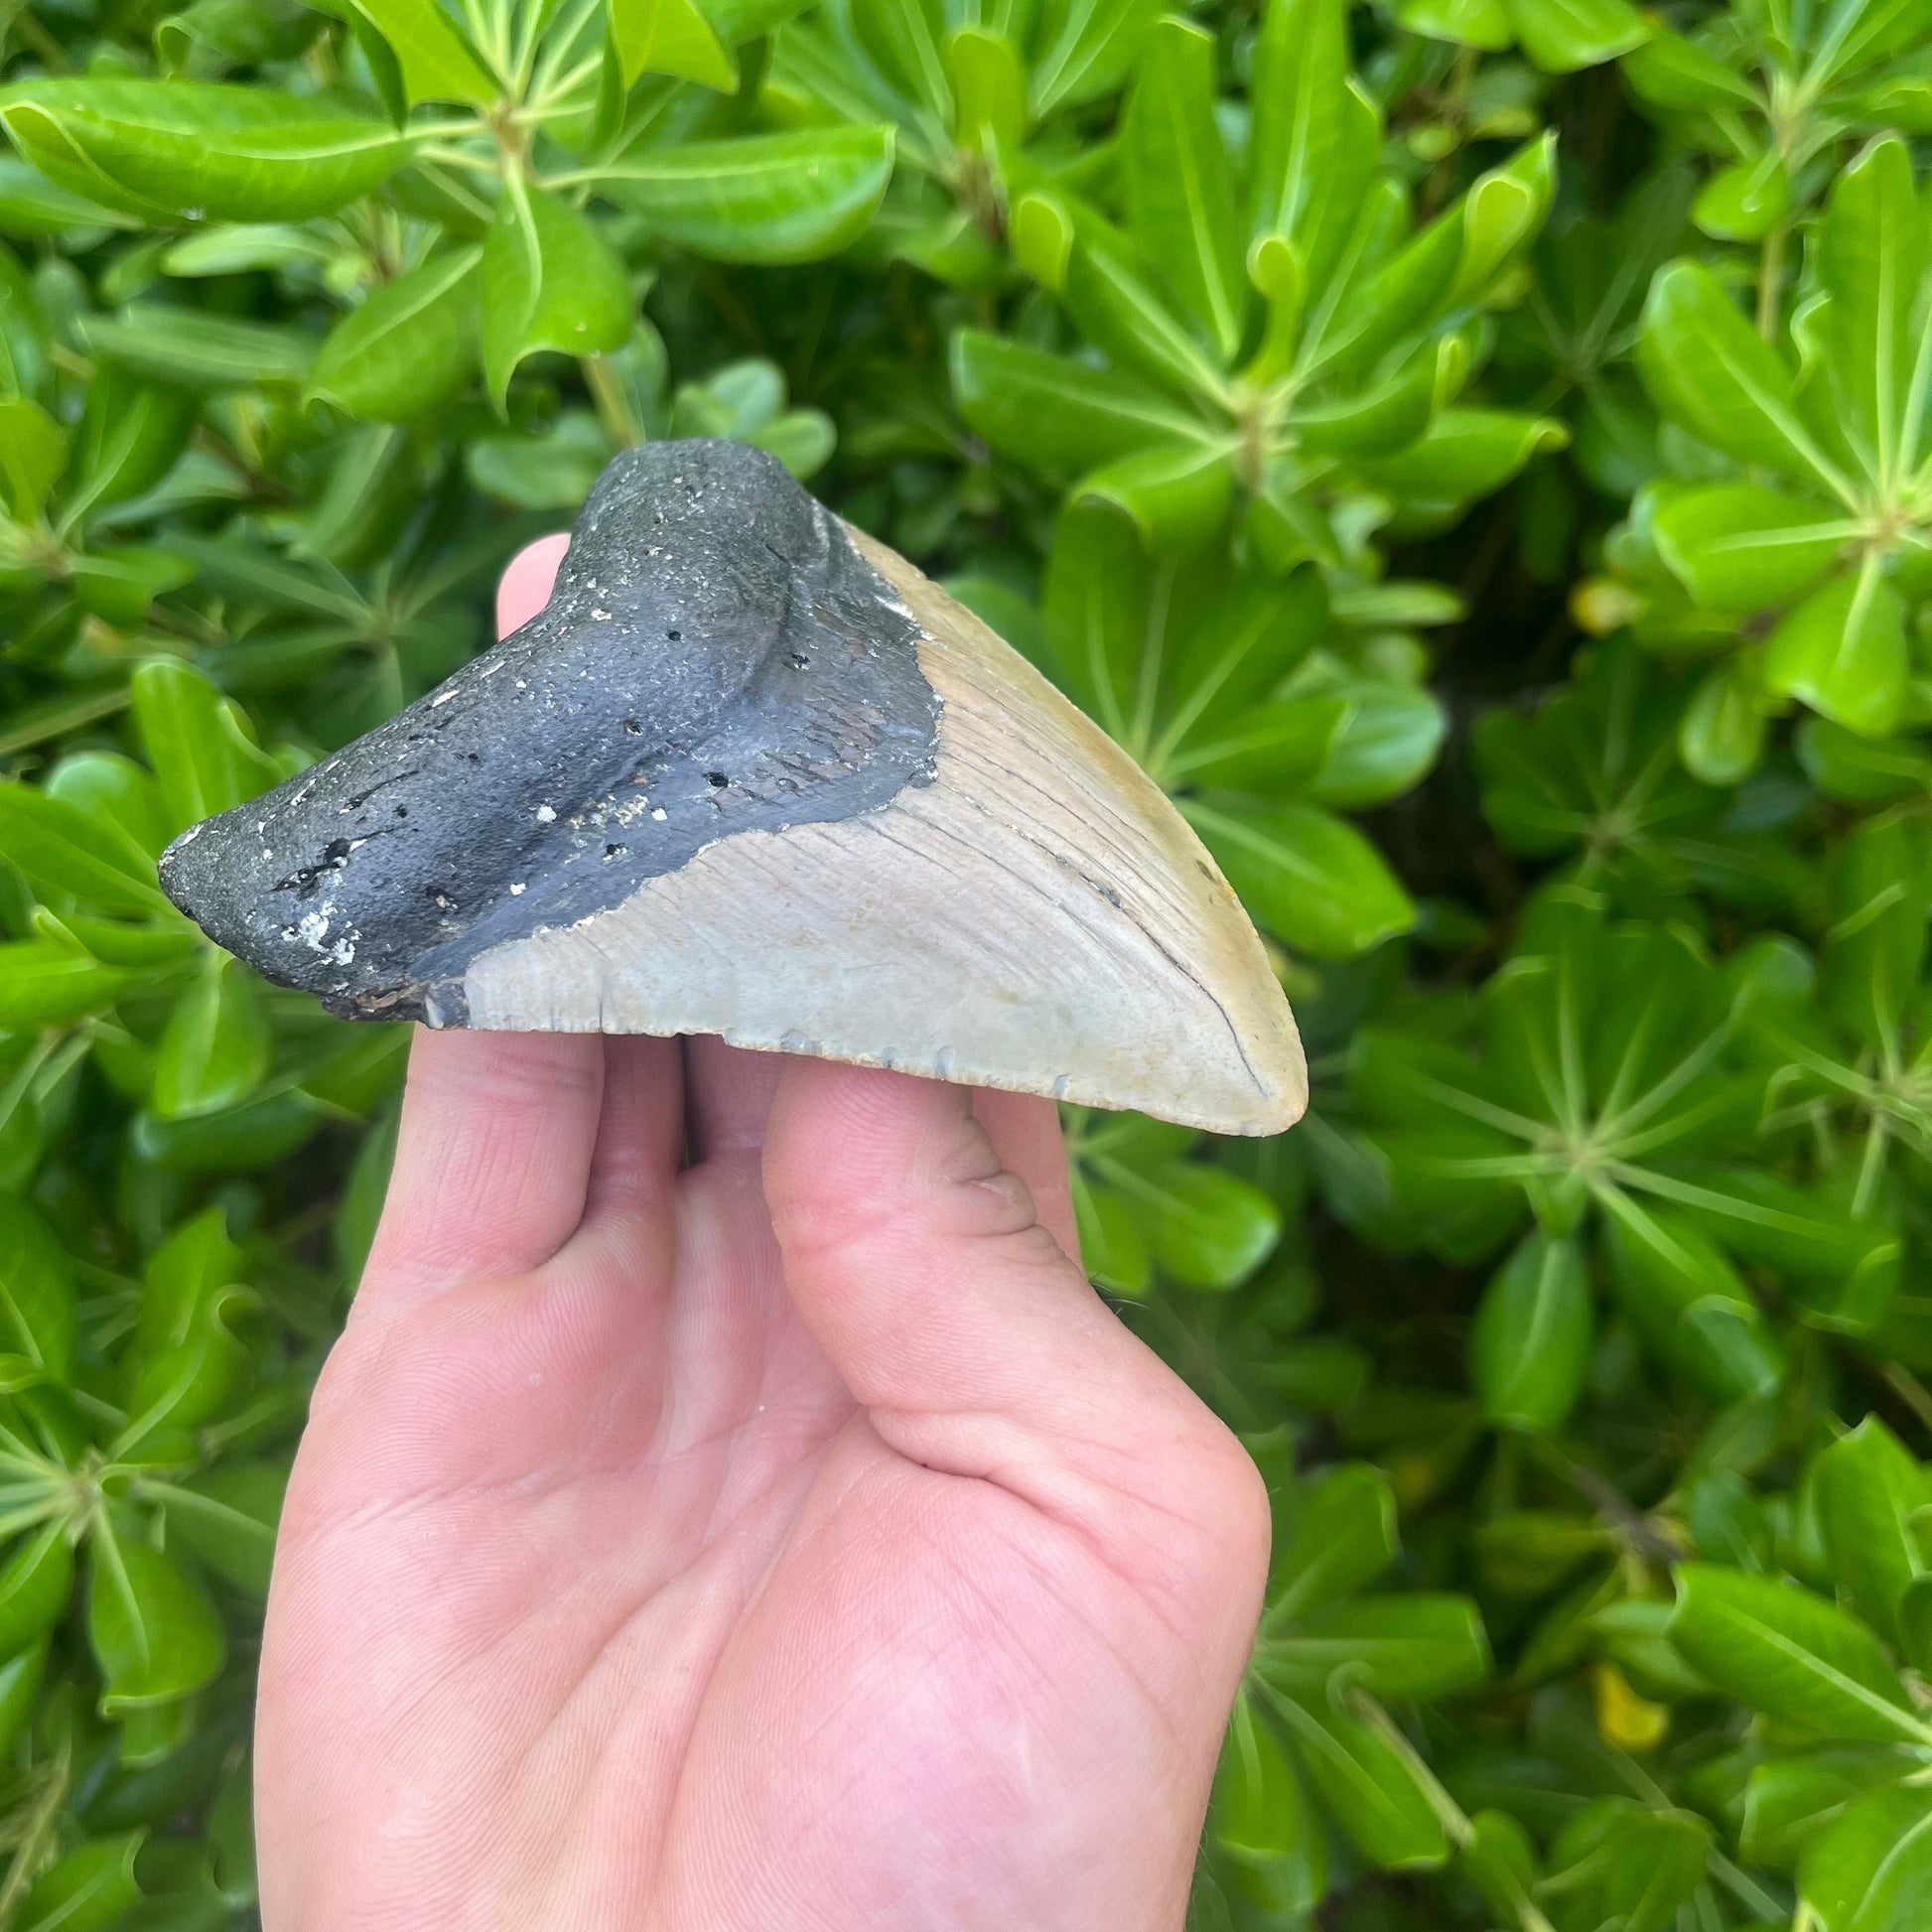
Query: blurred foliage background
1475, 452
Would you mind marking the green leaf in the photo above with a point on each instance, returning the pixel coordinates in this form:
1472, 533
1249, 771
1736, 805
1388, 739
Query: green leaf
1743, 202
1866, 1488
1843, 651
227, 1518
131, 433
1467, 452
1420, 1644
197, 350
1791, 1799
1688, 1302
408, 349
44, 985
1870, 1869
1310, 879
105, 785
1529, 1350
215, 1048
1560, 36
1374, 1787
1055, 414
903, 37
1315, 138
35, 1587
62, 847
198, 743
154, 1632
1096, 45
1871, 258
1738, 548
1176, 495
549, 281
1180, 187
1207, 1228
1626, 1866
434, 59
1709, 370
1671, 72
91, 1889
1343, 1537
763, 198
669, 37
32, 453
1791, 1655
162, 149
39, 1317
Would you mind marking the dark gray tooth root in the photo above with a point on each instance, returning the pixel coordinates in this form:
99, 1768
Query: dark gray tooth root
716, 657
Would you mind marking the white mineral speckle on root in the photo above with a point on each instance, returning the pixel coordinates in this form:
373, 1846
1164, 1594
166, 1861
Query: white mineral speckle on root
517, 891
547, 814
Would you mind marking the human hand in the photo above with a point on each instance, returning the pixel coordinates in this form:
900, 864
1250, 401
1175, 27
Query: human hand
729, 1507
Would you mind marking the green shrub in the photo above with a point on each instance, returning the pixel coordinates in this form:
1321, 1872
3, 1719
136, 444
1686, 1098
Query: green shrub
1473, 453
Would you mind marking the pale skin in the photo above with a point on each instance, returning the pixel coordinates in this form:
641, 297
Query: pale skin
729, 1509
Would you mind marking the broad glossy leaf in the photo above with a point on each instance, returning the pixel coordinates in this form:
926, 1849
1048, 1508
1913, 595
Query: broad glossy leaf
47, 985
763, 198
1866, 1488
1256, 1808
1111, 1243
1499, 1861
1417, 1644
1530, 1348
131, 433
1180, 187
1343, 1537
35, 1585
1467, 452
32, 453
1308, 878
1871, 258
1056, 414
1315, 137
162, 149
1176, 495
227, 1518
1688, 1302
1745, 201
38, 1311
195, 350
1880, 896
1870, 1869
408, 349
198, 743
1670, 70
1842, 650
1095, 45
1792, 1655
669, 37
1502, 212
61, 845
434, 59
1709, 369
215, 1046
1560, 36
903, 37
1207, 1228
91, 1889
155, 1634
1738, 548
1791, 1799
1626, 1866
1374, 1787
549, 281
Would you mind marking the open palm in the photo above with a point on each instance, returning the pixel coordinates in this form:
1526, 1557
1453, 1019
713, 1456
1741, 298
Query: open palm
730, 1507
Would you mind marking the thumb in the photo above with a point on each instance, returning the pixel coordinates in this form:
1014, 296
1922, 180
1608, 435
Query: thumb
918, 1263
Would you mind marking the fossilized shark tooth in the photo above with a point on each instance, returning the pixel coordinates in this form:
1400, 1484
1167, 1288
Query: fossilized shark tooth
750, 773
